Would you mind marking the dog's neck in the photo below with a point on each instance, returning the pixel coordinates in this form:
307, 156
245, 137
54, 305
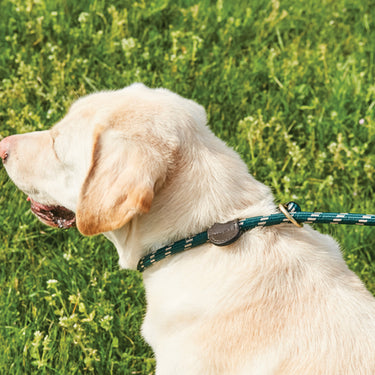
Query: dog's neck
206, 186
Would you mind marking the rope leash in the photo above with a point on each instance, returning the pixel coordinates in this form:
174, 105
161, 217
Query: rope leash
225, 234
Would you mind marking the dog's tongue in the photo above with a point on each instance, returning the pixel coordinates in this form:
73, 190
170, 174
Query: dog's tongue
54, 216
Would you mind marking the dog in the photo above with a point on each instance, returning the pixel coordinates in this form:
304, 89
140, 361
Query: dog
140, 166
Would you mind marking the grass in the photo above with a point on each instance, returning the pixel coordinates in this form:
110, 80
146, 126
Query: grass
290, 85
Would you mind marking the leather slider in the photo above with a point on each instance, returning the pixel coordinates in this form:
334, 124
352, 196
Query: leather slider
223, 234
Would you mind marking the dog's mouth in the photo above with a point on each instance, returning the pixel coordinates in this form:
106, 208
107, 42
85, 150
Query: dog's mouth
54, 216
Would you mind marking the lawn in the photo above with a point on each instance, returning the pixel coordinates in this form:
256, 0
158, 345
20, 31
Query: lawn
288, 84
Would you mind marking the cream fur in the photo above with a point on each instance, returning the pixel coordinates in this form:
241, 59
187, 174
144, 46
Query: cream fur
141, 165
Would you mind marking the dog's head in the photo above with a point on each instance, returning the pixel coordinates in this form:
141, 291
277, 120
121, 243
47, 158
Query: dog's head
102, 164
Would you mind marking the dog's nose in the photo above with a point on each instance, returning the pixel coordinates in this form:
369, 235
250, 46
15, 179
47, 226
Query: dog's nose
4, 148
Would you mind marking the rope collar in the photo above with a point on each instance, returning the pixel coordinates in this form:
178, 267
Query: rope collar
224, 234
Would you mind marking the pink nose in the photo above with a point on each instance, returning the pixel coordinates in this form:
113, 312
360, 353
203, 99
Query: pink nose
4, 147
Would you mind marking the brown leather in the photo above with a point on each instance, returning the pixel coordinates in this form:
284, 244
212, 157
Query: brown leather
223, 234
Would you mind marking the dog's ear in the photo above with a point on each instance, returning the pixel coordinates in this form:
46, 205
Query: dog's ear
120, 182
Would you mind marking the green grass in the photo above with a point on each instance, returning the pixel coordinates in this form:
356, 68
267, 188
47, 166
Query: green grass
290, 85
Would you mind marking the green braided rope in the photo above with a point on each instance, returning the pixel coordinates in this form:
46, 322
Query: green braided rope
259, 221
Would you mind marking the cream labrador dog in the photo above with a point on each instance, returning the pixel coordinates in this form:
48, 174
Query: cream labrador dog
140, 166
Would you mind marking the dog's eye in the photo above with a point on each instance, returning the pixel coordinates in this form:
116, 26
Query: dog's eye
55, 147
62, 149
